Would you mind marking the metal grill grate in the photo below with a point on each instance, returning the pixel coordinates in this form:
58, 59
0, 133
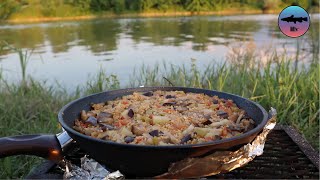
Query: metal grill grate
286, 155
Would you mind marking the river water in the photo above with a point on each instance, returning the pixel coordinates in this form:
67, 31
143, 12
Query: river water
70, 52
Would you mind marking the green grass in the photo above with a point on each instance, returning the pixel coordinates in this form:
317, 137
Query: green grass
26, 109
31, 107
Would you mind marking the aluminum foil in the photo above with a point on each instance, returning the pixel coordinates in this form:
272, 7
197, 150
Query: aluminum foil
89, 170
221, 161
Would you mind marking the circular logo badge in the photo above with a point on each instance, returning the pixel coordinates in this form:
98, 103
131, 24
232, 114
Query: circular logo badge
294, 21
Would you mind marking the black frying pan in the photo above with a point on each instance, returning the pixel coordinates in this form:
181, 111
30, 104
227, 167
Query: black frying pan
138, 160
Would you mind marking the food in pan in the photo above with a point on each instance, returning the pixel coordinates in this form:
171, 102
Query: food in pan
164, 118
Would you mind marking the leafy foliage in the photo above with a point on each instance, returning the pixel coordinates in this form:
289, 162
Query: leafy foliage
7, 7
49, 8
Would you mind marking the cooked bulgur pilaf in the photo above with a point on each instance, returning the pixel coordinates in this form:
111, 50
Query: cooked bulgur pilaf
164, 118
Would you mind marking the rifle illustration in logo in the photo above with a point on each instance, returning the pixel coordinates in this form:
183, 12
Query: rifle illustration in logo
295, 19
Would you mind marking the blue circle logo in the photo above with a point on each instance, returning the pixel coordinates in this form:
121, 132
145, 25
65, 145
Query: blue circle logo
294, 21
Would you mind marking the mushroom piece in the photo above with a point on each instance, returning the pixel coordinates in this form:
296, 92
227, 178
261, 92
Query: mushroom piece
233, 117
105, 127
222, 114
128, 139
155, 133
170, 96
207, 116
138, 129
105, 117
148, 94
92, 120
185, 138
181, 109
130, 113
207, 122
169, 104
235, 127
217, 137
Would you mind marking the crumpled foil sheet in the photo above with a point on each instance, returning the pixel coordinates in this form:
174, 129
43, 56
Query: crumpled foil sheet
89, 170
221, 161
218, 162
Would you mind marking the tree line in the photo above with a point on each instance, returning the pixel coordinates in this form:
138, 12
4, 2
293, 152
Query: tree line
49, 8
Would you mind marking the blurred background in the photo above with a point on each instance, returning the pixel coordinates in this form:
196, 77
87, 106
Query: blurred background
54, 51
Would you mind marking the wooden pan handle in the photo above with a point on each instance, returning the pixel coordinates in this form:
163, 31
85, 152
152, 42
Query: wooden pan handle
46, 146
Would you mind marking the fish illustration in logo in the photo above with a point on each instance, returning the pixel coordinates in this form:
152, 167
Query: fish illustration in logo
295, 19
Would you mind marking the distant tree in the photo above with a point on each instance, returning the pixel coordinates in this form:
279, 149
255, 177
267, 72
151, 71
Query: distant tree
146, 5
8, 7
304, 3
218, 4
48, 7
268, 4
315, 3
84, 5
118, 6
133, 5
100, 5
164, 5
197, 5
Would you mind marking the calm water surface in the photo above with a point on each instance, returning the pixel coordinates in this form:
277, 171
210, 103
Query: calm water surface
71, 52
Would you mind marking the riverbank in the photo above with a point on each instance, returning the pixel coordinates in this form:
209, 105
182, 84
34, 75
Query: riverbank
20, 19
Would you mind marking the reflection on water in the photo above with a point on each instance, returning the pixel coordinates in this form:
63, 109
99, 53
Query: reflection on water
69, 51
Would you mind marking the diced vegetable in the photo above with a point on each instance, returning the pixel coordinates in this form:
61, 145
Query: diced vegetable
125, 131
97, 106
138, 129
201, 131
224, 131
233, 117
214, 106
155, 140
220, 123
84, 115
125, 113
188, 130
181, 109
160, 119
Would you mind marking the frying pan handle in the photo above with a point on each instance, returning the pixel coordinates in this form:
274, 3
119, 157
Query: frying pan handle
46, 146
